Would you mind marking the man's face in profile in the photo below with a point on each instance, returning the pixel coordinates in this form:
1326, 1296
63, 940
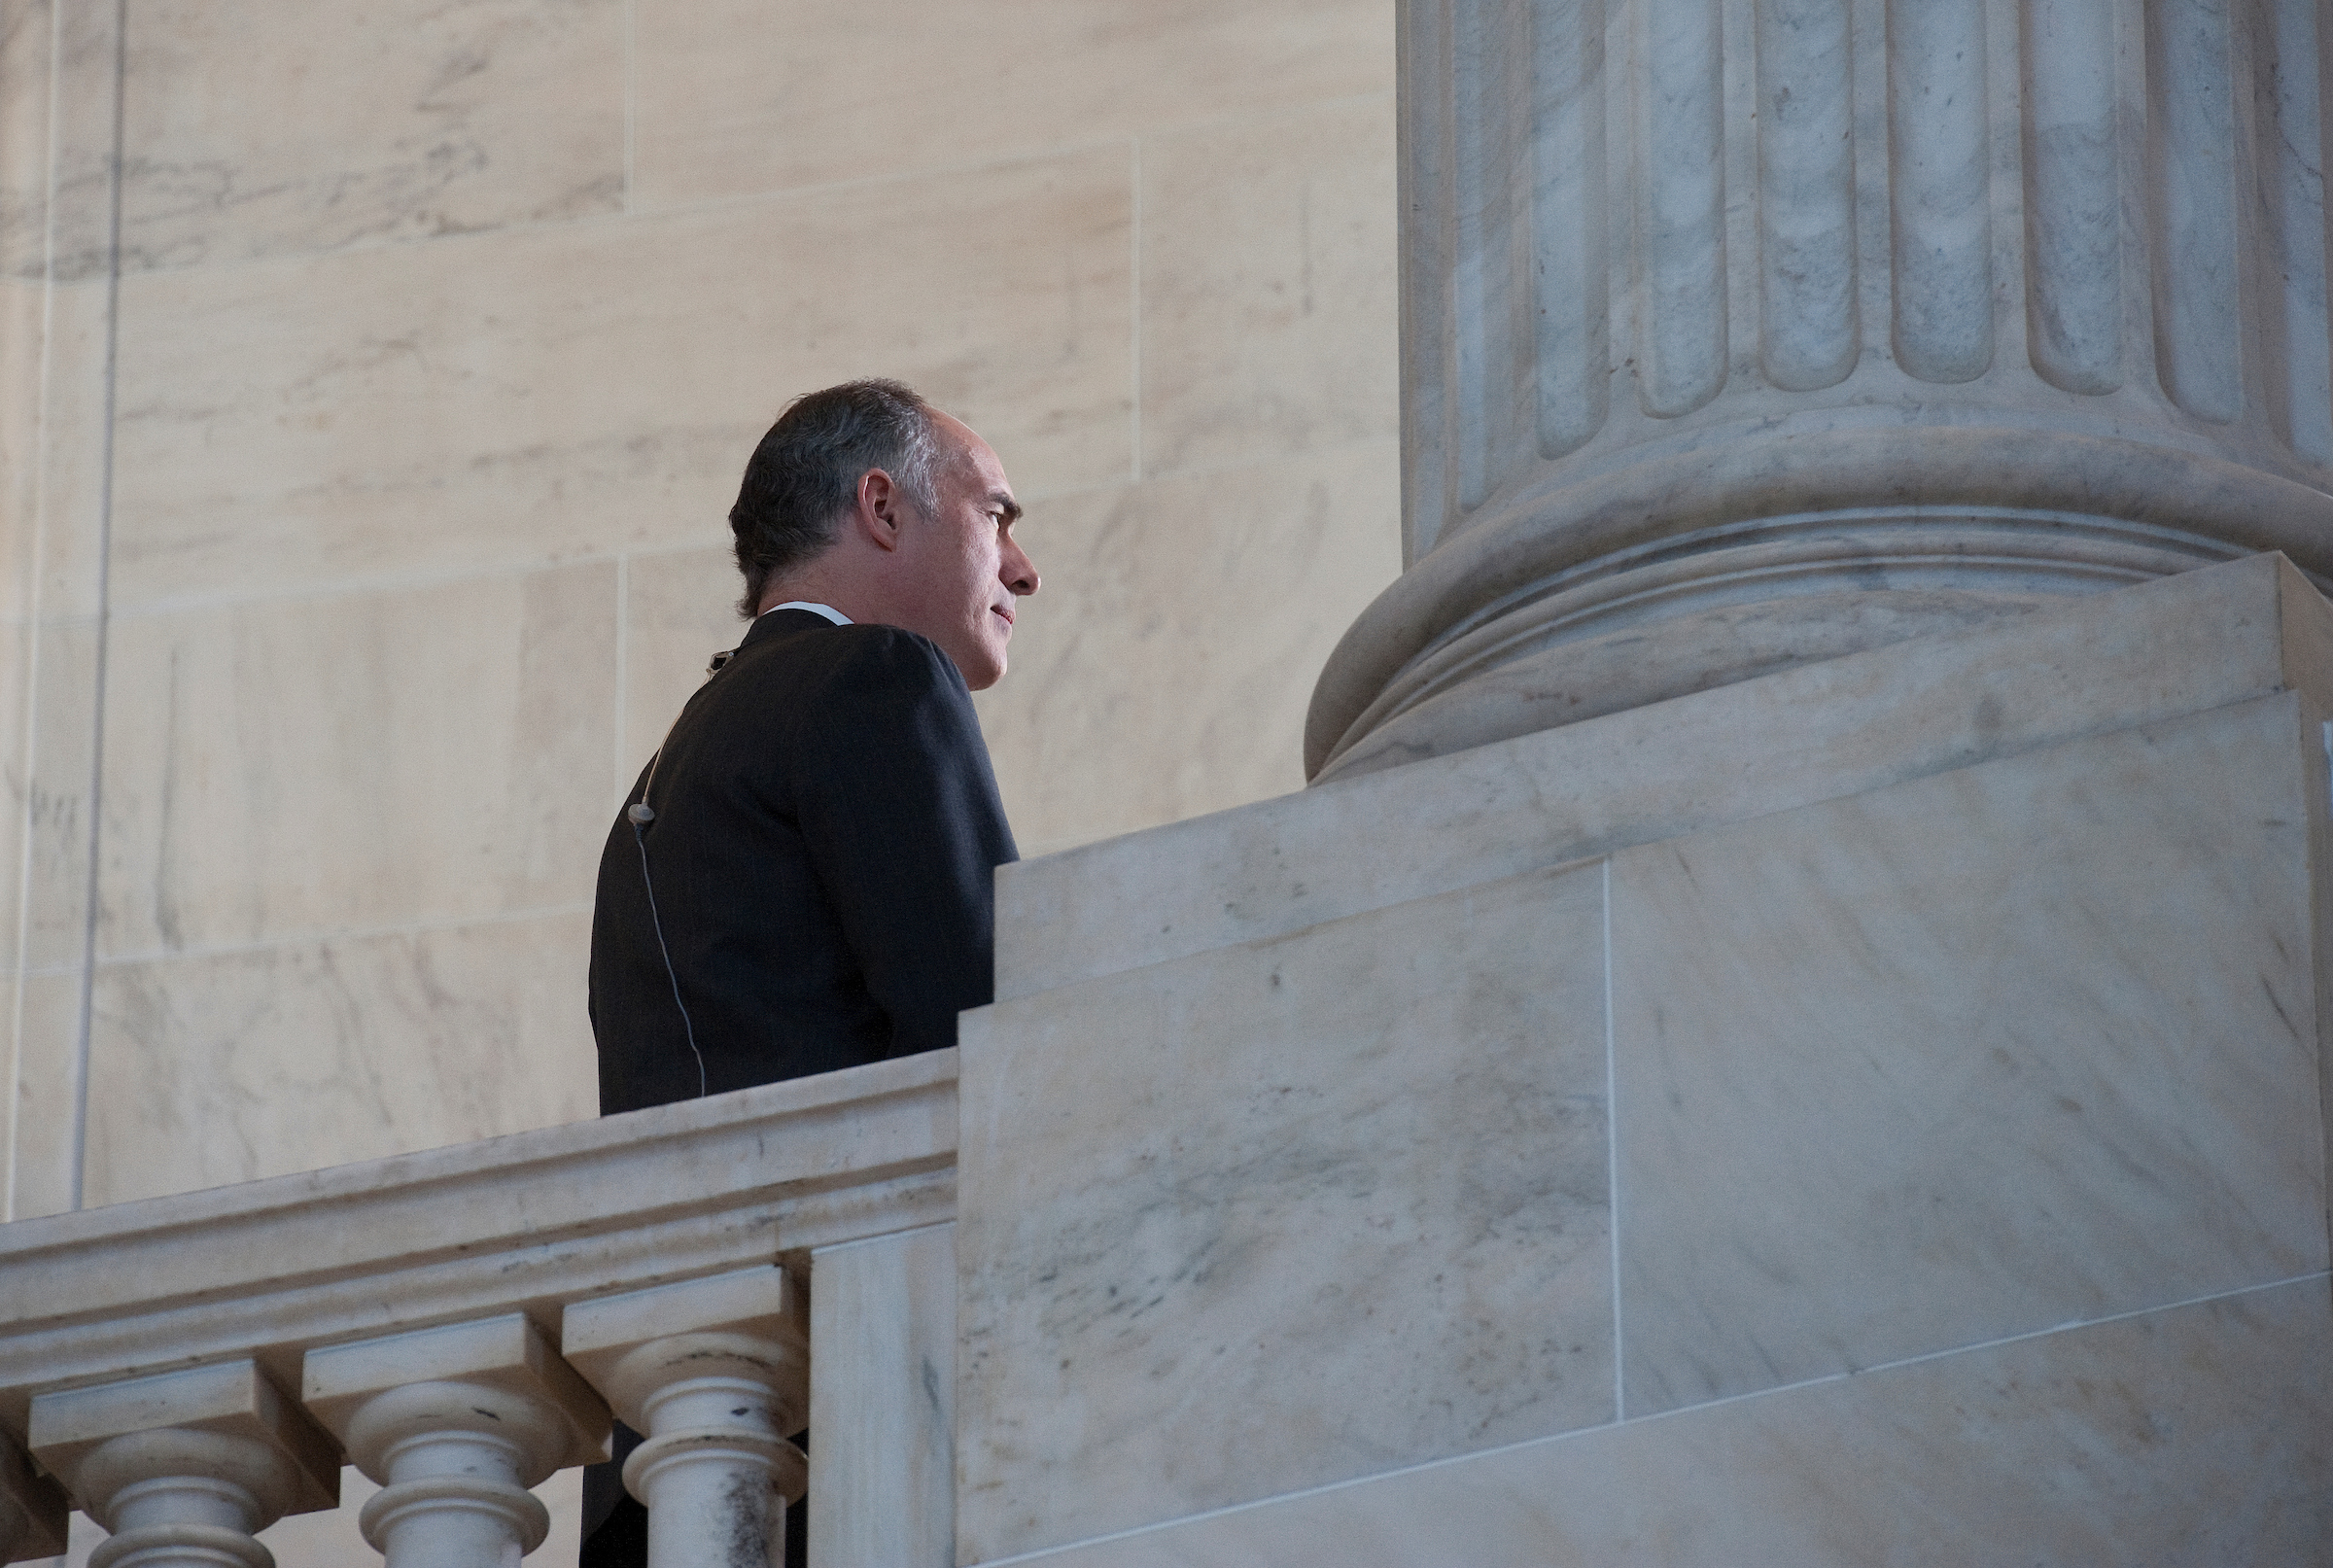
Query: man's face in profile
966, 568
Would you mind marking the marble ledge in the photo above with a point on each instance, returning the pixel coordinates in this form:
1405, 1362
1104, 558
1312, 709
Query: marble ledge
2003, 1048
2108, 661
2193, 1433
2064, 1067
527, 1222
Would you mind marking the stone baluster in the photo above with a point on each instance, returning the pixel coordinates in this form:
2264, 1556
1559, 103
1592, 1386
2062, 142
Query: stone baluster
715, 1373
1738, 334
32, 1508
456, 1424
184, 1468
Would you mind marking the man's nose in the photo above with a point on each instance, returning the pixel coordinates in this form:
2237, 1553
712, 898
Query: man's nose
1020, 572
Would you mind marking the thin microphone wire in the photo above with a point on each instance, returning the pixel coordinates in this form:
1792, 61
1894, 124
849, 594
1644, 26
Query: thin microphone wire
672, 974
640, 814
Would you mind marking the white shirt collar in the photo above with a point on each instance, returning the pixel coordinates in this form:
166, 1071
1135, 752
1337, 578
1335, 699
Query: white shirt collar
828, 610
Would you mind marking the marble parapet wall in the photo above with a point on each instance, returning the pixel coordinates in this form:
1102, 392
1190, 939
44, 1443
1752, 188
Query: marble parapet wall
460, 1323
1743, 332
1871, 1112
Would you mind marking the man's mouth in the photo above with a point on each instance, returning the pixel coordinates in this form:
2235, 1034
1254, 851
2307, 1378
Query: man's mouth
1001, 613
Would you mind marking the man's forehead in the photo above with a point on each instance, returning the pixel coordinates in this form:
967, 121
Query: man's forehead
964, 445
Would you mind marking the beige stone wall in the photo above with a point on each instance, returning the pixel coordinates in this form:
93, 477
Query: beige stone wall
367, 449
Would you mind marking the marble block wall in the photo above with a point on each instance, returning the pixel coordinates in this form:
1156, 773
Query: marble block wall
1900, 1142
374, 386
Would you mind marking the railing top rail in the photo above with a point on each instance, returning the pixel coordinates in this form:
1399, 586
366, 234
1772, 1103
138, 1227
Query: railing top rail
526, 1222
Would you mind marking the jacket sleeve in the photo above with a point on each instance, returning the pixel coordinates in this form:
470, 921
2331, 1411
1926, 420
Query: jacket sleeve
899, 810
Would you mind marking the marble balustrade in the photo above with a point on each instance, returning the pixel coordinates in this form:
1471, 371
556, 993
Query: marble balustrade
461, 1323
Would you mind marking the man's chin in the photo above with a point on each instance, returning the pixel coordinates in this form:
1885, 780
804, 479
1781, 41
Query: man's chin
986, 673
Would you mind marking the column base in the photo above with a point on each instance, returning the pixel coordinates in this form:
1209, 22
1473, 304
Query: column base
1755, 548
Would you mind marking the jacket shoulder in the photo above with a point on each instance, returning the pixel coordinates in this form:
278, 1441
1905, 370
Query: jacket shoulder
841, 661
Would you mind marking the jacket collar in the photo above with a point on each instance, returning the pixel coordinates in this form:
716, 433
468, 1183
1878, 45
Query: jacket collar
781, 623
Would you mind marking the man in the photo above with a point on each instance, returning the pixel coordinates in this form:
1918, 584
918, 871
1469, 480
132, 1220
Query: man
800, 879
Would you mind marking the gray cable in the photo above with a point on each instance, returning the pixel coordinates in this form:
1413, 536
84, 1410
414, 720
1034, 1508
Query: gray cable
641, 814
672, 974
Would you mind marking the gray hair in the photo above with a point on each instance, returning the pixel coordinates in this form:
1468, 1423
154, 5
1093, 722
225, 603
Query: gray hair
804, 476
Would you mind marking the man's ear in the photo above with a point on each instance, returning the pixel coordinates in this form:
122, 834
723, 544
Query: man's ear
877, 514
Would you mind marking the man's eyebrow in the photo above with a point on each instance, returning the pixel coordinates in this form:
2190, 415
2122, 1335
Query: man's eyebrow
1004, 499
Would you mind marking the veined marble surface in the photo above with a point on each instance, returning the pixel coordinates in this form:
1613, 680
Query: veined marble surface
2017, 1045
544, 393
1284, 1214
57, 813
280, 768
2079, 667
2195, 1434
54, 430
58, 69
2022, 1034
1251, 353
738, 96
883, 1400
411, 1040
275, 126
41, 1168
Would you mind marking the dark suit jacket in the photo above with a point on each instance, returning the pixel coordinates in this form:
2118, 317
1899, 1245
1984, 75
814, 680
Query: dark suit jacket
826, 832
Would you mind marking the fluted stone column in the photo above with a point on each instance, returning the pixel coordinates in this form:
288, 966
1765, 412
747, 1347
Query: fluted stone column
184, 1468
1743, 332
457, 1424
